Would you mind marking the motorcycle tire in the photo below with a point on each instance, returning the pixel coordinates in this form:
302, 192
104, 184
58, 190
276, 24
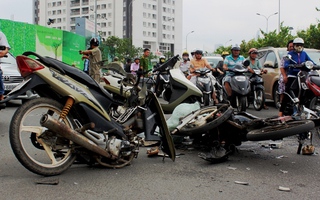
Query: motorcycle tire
280, 131
206, 99
191, 130
258, 102
314, 104
242, 103
34, 153
276, 96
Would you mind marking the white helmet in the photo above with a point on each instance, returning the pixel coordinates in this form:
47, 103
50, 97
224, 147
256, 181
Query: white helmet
235, 47
298, 44
298, 41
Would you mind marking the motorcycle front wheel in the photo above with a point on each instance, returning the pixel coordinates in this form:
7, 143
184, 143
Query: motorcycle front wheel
241, 103
258, 100
198, 126
280, 131
206, 99
37, 149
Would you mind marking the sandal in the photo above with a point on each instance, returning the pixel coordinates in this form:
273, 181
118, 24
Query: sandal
153, 151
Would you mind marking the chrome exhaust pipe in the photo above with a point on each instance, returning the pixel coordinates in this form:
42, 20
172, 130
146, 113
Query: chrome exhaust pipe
63, 130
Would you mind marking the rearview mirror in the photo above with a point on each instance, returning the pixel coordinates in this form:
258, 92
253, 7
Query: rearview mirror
246, 63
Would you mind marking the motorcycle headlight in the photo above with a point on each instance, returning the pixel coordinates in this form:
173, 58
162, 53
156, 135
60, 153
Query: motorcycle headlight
204, 80
309, 64
240, 78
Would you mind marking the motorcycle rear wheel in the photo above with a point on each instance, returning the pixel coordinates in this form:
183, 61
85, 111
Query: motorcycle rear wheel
50, 155
258, 102
280, 131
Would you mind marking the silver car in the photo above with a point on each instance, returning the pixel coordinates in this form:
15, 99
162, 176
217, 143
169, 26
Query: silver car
11, 76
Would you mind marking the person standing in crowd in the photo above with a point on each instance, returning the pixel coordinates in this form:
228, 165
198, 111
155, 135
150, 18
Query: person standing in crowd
94, 56
135, 66
86, 63
3, 42
127, 66
145, 63
281, 84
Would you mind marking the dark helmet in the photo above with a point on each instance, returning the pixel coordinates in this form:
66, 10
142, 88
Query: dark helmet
198, 51
94, 42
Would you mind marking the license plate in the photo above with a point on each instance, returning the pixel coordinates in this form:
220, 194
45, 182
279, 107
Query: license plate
9, 86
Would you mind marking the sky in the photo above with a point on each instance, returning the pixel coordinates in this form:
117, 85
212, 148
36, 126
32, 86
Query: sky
215, 22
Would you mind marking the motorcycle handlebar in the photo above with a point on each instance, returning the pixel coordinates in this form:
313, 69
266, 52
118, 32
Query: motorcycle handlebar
141, 73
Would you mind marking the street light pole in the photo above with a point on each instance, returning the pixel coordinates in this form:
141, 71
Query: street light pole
95, 18
267, 18
187, 40
129, 13
279, 19
225, 44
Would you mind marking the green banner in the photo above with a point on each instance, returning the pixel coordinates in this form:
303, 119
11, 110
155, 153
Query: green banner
21, 36
56, 43
72, 43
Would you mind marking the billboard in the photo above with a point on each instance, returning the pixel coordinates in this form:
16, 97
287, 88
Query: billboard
56, 43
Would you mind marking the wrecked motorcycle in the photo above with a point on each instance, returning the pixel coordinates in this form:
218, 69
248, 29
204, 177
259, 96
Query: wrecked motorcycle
70, 120
179, 90
229, 129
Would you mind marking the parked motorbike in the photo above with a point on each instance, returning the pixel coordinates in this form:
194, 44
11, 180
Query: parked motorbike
180, 89
70, 120
203, 82
256, 95
303, 95
305, 88
240, 86
161, 80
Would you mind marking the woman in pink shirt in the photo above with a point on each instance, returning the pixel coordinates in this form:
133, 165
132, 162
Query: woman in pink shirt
135, 66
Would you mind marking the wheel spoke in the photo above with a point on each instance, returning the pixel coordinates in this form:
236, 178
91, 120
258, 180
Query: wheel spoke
33, 129
48, 151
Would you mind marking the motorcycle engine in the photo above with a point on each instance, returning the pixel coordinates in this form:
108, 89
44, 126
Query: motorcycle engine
115, 146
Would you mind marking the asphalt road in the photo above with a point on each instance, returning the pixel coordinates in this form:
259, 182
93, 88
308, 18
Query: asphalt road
260, 171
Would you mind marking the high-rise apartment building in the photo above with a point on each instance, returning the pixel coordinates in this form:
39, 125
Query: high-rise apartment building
154, 24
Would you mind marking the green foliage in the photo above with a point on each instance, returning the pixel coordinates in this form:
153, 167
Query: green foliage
122, 48
311, 37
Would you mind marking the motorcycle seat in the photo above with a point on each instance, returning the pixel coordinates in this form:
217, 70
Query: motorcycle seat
83, 78
315, 80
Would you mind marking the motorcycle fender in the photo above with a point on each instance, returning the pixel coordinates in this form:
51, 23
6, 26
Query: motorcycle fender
242, 88
23, 87
256, 87
154, 119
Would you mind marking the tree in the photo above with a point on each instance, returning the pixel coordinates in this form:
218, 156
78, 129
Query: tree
122, 48
267, 39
